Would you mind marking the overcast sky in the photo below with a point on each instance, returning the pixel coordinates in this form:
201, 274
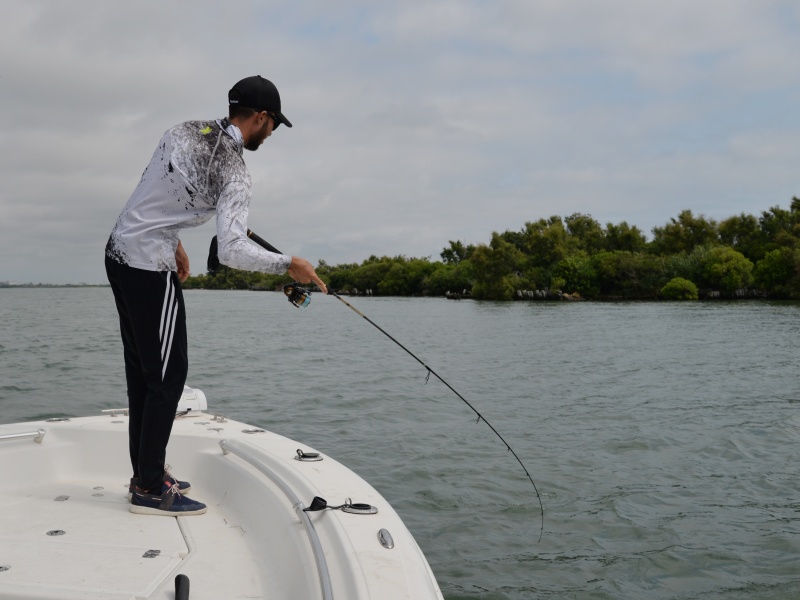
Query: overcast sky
415, 122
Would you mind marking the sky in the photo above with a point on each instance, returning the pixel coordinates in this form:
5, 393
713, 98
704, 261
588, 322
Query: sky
415, 122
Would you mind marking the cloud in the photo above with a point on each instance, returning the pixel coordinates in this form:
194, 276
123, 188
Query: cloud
415, 123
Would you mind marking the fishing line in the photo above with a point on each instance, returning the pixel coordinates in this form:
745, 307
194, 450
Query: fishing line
301, 297
452, 389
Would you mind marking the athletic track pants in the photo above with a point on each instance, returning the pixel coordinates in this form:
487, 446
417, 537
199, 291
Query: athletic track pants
152, 321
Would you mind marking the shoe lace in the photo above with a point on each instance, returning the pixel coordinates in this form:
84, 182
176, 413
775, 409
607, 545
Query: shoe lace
173, 489
168, 475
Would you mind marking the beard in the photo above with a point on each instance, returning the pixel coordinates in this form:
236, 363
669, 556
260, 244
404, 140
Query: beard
258, 138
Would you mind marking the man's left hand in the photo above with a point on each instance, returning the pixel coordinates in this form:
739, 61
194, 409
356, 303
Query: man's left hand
182, 261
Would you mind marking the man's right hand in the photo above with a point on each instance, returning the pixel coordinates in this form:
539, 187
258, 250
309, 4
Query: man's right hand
302, 271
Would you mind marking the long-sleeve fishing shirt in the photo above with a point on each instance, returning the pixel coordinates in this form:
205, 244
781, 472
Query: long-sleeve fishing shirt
196, 172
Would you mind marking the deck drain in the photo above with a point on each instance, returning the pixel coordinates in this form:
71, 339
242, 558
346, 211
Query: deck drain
99, 487
4, 568
253, 431
97, 494
60, 498
151, 553
56, 532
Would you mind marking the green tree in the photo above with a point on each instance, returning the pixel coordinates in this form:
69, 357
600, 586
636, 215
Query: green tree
679, 289
340, 276
578, 274
728, 270
624, 237
496, 266
586, 233
405, 277
684, 234
743, 234
227, 278
545, 242
778, 273
370, 273
687, 265
456, 252
780, 228
450, 278
629, 274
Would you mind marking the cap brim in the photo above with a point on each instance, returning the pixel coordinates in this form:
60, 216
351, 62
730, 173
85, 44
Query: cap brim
284, 120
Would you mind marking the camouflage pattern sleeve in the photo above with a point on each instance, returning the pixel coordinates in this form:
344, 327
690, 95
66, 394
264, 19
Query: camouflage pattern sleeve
233, 246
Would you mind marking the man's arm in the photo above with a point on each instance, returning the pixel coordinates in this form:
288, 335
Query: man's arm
235, 250
233, 247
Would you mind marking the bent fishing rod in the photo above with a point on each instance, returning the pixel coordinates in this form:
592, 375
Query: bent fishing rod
301, 297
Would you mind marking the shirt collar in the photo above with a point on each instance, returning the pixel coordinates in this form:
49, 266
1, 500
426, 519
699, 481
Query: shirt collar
233, 131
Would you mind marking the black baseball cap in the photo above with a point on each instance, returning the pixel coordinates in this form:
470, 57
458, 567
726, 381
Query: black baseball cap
259, 94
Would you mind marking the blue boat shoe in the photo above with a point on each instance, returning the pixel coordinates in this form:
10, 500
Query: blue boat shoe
183, 486
168, 502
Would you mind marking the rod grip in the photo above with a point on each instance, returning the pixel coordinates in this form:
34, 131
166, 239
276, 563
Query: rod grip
262, 242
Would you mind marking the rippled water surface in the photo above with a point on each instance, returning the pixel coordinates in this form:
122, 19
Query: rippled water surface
664, 438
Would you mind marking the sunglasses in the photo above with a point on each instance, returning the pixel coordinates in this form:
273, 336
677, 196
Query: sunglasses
275, 120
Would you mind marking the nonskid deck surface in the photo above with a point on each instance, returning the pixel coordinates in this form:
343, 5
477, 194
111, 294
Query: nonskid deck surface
67, 533
66, 530
78, 539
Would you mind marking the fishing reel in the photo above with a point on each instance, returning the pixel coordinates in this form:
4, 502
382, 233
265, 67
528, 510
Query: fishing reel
297, 295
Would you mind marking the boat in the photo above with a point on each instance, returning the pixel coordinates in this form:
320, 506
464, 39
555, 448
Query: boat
66, 531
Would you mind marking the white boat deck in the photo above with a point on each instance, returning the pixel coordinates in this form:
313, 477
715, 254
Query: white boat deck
101, 550
66, 531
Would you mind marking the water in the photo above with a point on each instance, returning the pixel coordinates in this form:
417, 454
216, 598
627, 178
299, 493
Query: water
663, 437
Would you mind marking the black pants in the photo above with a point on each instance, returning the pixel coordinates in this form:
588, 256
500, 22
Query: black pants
152, 321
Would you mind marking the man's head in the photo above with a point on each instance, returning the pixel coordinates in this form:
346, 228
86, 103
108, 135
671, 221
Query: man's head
254, 105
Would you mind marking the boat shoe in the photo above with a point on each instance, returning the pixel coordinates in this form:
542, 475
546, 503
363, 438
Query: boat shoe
183, 486
168, 502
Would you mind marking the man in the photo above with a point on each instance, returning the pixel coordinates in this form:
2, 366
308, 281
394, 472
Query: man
196, 172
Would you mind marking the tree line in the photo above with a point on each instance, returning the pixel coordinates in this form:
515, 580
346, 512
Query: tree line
691, 256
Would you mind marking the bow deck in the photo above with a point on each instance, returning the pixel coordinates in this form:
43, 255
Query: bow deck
66, 531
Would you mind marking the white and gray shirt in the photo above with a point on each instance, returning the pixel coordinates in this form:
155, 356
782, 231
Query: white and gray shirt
196, 172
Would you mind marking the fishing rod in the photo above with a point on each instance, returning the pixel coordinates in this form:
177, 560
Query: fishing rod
301, 297
452, 389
